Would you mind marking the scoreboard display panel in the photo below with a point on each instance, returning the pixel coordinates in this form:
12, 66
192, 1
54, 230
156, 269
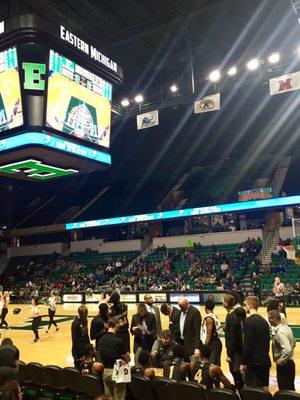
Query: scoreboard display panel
11, 114
78, 101
55, 101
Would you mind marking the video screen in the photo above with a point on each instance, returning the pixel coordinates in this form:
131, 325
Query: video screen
11, 114
78, 102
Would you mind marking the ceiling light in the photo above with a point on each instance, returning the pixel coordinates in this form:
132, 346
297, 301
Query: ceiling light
232, 71
139, 98
253, 64
173, 88
274, 58
215, 75
125, 102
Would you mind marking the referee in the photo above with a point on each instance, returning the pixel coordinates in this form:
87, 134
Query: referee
112, 348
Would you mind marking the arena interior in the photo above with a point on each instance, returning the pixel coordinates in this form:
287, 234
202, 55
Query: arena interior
150, 199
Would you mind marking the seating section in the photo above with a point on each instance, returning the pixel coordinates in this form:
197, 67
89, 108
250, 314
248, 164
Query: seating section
286, 269
51, 381
42, 382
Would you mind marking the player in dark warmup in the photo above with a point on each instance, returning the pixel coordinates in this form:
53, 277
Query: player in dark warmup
120, 311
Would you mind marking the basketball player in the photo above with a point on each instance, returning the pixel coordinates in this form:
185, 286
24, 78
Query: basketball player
120, 311
51, 313
209, 332
206, 373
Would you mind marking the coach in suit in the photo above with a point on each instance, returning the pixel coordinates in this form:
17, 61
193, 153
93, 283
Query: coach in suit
154, 310
189, 324
174, 316
143, 328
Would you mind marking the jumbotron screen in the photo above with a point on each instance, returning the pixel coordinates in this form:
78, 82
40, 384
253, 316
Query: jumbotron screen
78, 102
11, 114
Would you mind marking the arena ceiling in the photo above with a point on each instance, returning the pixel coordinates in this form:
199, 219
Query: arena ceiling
155, 41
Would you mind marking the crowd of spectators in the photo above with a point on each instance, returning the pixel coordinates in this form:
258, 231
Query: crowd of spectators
142, 274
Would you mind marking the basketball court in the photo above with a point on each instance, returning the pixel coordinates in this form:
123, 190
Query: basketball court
55, 348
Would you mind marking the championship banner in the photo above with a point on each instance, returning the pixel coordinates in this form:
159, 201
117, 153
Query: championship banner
285, 83
147, 120
208, 103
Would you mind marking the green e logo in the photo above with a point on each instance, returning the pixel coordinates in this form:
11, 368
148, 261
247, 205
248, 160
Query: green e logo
32, 76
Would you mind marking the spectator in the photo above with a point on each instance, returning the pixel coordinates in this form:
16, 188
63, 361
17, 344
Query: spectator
112, 348
283, 345
278, 288
10, 390
80, 336
256, 285
174, 316
9, 354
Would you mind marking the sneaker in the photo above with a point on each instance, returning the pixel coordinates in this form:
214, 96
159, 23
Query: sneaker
46, 333
35, 341
57, 329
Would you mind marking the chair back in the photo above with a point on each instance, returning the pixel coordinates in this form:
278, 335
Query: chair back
71, 379
286, 395
191, 391
249, 393
91, 385
165, 388
222, 394
54, 377
37, 374
23, 374
140, 388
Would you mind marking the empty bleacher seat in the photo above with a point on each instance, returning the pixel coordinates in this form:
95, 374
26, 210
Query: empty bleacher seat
140, 388
91, 385
165, 388
222, 394
286, 395
249, 393
191, 391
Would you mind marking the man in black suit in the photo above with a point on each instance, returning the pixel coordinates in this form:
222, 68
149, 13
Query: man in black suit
154, 310
189, 326
256, 363
143, 327
174, 316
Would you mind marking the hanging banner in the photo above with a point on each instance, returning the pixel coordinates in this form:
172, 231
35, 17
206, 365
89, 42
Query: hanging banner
285, 83
147, 120
207, 104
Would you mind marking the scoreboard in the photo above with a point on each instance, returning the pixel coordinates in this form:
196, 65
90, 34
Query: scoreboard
55, 101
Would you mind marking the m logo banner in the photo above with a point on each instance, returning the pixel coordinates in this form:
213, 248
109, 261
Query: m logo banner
285, 83
147, 120
207, 104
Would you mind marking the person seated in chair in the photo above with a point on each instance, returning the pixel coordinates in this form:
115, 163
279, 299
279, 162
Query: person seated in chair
206, 373
89, 365
162, 349
177, 369
142, 367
